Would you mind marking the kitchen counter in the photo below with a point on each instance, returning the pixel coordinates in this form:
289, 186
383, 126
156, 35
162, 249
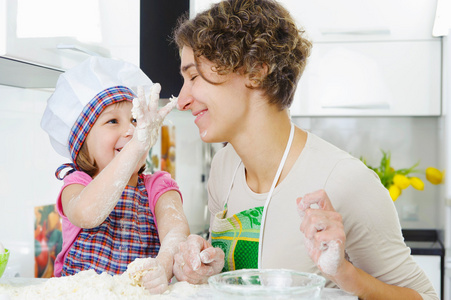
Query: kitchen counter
202, 291
423, 242
426, 247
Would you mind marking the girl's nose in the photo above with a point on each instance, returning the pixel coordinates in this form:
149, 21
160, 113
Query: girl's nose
184, 99
128, 131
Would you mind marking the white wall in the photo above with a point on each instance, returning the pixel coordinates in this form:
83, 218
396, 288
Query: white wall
27, 165
409, 139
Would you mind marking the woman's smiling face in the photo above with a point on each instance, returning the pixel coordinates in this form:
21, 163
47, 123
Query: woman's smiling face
218, 108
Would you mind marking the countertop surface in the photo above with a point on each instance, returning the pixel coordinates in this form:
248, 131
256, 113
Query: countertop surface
423, 242
425, 247
202, 291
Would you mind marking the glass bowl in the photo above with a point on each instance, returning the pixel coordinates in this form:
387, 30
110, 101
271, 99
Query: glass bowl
3, 261
267, 284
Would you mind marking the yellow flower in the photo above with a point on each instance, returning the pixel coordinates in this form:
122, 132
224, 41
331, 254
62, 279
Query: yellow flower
401, 181
417, 183
434, 175
394, 191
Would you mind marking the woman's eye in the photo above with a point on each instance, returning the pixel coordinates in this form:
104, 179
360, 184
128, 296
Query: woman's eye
193, 77
134, 121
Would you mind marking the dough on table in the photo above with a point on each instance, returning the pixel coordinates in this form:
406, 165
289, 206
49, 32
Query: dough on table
90, 285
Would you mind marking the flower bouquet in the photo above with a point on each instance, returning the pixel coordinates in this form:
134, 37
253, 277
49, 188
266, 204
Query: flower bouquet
397, 180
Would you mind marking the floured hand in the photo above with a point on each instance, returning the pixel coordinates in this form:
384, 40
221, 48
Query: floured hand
147, 115
323, 230
149, 273
197, 260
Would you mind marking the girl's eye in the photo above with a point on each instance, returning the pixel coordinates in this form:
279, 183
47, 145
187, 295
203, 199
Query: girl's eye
193, 77
134, 121
112, 121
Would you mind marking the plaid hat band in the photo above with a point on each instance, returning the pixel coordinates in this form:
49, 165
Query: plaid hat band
91, 112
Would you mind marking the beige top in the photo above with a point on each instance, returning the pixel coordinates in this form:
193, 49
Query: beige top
374, 241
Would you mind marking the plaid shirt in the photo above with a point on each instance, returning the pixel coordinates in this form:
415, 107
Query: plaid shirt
128, 233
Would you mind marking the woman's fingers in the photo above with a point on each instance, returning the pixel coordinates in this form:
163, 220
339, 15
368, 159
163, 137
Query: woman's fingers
317, 199
188, 255
214, 258
197, 260
323, 230
194, 245
316, 220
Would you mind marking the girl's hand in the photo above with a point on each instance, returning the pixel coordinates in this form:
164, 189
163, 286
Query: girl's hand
323, 230
149, 273
197, 260
148, 117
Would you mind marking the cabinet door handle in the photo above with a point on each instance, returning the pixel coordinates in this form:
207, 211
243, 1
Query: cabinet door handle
77, 48
350, 31
382, 105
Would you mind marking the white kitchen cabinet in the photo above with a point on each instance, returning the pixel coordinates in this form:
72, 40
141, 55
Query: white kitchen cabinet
196, 6
431, 266
369, 58
59, 34
364, 20
371, 79
357, 20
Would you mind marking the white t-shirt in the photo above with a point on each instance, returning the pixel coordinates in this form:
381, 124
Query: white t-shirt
374, 242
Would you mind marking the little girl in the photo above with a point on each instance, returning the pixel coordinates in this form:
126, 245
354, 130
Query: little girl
111, 212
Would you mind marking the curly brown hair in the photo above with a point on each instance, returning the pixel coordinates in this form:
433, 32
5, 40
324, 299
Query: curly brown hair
248, 36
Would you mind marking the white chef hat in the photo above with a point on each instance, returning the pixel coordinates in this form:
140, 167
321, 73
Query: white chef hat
80, 96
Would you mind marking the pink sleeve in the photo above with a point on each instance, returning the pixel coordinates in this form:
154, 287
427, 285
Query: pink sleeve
70, 231
157, 184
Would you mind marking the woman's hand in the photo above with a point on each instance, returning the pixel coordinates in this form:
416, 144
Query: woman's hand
148, 117
325, 242
323, 230
197, 260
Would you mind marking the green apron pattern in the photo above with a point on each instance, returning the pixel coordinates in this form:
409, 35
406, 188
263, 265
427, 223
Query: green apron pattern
238, 236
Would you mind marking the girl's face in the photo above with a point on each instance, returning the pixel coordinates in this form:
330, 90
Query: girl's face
220, 109
110, 133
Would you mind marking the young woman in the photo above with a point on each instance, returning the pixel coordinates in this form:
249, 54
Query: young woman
111, 212
280, 197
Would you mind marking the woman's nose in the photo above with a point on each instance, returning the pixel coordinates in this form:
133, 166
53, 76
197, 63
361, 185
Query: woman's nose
184, 99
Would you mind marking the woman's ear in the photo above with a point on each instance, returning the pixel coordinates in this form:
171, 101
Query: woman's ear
255, 82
